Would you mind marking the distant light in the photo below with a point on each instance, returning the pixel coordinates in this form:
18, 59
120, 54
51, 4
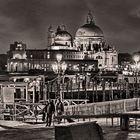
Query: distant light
55, 47
19, 45
136, 58
59, 57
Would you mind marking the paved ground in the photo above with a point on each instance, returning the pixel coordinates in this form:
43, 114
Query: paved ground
10, 130
14, 130
114, 133
110, 133
28, 134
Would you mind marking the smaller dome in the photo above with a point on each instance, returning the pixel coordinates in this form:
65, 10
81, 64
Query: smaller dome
62, 35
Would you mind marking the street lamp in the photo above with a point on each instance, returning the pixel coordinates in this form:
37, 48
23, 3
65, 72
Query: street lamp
59, 68
136, 58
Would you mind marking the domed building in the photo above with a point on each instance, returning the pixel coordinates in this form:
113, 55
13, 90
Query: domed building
88, 34
87, 50
59, 38
89, 30
79, 60
63, 37
89, 38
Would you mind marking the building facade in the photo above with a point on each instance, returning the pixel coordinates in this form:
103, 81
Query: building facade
87, 50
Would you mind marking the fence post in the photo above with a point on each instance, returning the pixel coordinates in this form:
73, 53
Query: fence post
89, 112
110, 108
95, 109
112, 121
27, 92
137, 104
124, 106
15, 112
78, 113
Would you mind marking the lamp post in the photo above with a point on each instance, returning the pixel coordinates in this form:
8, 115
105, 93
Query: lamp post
136, 58
59, 68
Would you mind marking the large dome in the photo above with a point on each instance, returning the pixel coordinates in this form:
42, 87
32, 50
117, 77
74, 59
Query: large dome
89, 30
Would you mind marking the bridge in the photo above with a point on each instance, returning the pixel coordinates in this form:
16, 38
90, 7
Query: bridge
102, 108
34, 110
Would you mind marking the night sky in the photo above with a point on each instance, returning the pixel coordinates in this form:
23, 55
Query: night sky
28, 21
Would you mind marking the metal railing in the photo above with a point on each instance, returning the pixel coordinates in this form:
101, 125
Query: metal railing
19, 111
23, 111
102, 108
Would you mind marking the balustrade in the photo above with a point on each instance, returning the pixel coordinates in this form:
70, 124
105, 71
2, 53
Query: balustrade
111, 107
100, 108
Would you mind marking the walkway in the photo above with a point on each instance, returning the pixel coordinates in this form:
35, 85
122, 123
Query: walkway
28, 134
39, 132
19, 124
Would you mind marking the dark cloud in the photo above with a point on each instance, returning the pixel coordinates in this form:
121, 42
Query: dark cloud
28, 20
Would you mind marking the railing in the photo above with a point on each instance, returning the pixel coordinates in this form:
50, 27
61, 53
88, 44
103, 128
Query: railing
69, 102
102, 108
30, 110
89, 86
21, 111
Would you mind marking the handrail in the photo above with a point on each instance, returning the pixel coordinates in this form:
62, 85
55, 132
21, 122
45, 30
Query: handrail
101, 108
110, 107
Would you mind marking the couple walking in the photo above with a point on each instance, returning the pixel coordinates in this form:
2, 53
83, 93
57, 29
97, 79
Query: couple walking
52, 109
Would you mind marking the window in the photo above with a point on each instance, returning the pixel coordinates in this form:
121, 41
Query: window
99, 57
100, 65
17, 93
48, 55
112, 60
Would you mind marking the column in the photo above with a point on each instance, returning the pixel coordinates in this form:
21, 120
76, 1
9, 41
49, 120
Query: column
27, 92
22, 93
93, 91
103, 89
34, 94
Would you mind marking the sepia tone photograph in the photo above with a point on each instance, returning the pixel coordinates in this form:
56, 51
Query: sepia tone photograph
69, 70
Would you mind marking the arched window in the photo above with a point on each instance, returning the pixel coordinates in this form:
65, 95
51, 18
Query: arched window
100, 65
99, 57
81, 47
16, 67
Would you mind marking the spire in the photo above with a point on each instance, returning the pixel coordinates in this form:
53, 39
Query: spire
50, 28
58, 28
90, 18
63, 27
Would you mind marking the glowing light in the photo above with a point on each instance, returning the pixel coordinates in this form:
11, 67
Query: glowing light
136, 58
59, 57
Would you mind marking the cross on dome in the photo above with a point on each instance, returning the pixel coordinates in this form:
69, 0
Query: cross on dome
90, 18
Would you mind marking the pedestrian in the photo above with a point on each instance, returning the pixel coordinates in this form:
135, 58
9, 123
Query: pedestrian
59, 109
50, 109
43, 115
44, 112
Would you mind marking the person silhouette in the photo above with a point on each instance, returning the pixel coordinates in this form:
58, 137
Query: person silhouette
50, 109
59, 109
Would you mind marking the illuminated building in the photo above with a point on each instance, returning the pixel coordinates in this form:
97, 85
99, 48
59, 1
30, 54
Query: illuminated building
87, 50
